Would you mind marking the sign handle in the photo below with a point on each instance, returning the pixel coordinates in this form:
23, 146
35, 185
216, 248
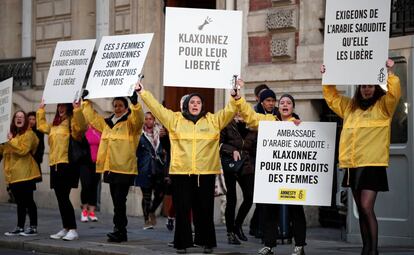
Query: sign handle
235, 86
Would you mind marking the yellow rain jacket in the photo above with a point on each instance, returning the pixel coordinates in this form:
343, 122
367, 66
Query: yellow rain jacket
194, 147
251, 117
365, 136
19, 164
118, 144
59, 135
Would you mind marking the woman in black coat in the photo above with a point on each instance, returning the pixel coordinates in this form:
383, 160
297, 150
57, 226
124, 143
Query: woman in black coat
238, 147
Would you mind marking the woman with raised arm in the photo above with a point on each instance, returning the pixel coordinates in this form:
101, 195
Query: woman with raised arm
21, 171
364, 146
68, 121
116, 158
195, 161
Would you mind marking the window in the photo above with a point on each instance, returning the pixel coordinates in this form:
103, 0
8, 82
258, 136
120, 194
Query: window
399, 124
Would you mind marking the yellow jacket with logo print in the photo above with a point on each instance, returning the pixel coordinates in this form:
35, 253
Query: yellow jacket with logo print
118, 144
59, 135
19, 164
194, 147
365, 136
251, 117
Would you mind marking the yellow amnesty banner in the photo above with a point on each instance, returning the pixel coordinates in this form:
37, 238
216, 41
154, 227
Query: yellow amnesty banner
292, 194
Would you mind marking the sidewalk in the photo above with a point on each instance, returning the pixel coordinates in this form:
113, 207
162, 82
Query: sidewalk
93, 238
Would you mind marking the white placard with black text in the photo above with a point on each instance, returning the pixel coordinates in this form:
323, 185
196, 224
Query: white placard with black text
6, 91
67, 71
356, 41
117, 64
202, 47
294, 164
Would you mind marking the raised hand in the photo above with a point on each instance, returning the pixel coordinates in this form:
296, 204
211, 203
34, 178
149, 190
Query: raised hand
323, 69
139, 87
42, 104
85, 92
389, 64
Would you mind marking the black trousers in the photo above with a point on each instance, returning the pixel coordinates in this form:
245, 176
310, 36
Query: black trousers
23, 194
257, 221
150, 205
89, 182
246, 183
271, 217
196, 193
119, 193
67, 213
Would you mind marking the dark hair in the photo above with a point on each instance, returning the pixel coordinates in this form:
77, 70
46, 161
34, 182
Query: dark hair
359, 102
31, 114
288, 96
123, 99
259, 88
16, 130
150, 113
69, 112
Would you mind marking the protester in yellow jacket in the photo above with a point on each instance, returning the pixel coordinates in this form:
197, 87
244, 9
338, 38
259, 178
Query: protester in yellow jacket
194, 136
21, 171
63, 176
116, 154
364, 146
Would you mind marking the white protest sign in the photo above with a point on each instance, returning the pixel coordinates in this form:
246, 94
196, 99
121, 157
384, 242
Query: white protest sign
117, 64
67, 71
356, 41
202, 47
6, 91
294, 164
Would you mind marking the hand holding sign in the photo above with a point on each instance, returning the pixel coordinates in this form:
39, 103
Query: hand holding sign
237, 85
85, 92
390, 65
323, 69
42, 104
139, 87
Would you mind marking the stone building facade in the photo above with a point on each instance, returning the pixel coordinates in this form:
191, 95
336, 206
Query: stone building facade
282, 47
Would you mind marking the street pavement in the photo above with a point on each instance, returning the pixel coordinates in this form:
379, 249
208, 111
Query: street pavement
93, 238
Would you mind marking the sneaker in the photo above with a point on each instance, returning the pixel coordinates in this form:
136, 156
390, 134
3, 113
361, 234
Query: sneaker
148, 225
170, 224
30, 231
232, 239
299, 250
92, 216
265, 251
170, 244
59, 234
71, 235
181, 251
84, 216
14, 232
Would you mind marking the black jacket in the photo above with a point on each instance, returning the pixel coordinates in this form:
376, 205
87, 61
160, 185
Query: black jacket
231, 139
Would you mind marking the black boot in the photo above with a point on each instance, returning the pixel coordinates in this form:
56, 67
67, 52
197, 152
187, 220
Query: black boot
232, 238
239, 233
117, 236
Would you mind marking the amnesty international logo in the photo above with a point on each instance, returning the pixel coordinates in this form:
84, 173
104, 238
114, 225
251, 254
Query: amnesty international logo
292, 194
